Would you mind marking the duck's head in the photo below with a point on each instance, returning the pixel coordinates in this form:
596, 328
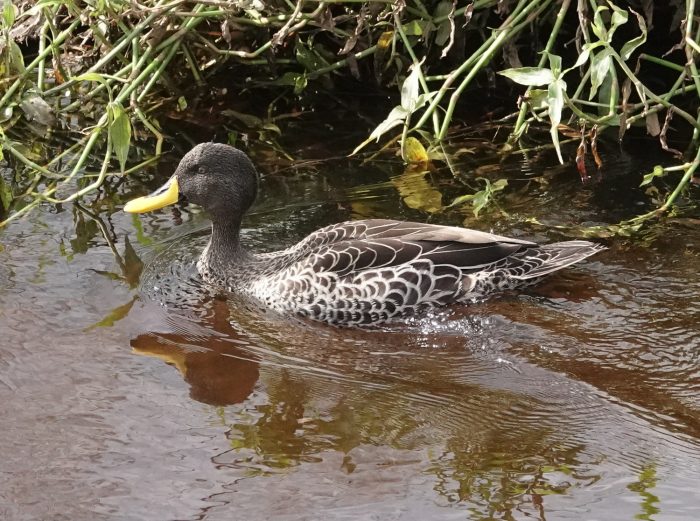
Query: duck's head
219, 178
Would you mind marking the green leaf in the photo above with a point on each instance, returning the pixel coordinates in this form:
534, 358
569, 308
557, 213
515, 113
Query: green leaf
461, 200
481, 198
120, 132
445, 28
6, 196
91, 76
8, 14
479, 201
630, 46
413, 28
16, 57
410, 89
308, 57
600, 68
537, 98
657, 172
395, 118
249, 120
499, 185
530, 76
554, 63
598, 26
292, 79
555, 100
619, 17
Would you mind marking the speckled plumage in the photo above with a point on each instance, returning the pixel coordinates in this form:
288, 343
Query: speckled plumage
359, 272
367, 272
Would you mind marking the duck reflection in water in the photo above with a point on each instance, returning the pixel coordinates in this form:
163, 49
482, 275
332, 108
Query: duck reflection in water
218, 372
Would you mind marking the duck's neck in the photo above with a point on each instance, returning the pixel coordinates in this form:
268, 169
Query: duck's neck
224, 250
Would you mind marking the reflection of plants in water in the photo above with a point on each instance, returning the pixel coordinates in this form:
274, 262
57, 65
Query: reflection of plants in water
275, 434
494, 474
647, 481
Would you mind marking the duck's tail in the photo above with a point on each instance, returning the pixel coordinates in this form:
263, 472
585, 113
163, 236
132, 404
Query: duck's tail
552, 257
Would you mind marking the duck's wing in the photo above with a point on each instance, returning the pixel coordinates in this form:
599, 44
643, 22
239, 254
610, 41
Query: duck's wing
369, 244
385, 229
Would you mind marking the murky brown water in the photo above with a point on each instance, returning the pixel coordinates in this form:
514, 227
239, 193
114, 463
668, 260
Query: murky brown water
578, 399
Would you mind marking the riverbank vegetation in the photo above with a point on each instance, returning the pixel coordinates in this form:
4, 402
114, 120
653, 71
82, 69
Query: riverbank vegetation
103, 72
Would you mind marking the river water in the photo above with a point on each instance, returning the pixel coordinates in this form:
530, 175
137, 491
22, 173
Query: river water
129, 392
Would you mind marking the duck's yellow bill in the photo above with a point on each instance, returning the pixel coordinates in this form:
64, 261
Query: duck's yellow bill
165, 195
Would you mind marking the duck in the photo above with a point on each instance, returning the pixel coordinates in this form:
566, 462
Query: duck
353, 273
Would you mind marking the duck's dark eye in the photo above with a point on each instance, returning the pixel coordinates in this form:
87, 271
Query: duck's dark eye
201, 170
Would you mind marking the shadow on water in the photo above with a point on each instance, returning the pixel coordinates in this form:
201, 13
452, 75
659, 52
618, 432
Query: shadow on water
576, 399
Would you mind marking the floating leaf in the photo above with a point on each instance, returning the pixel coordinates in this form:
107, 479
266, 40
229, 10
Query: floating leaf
530, 76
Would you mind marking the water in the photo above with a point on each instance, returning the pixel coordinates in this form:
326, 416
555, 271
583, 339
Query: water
129, 392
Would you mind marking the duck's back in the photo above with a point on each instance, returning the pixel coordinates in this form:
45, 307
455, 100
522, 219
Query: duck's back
365, 272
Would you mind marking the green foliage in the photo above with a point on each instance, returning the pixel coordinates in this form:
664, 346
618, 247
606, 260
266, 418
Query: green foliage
481, 198
119, 131
429, 53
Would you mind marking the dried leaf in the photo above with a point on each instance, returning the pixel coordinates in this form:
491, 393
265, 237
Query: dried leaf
581, 159
662, 135
653, 126
594, 148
